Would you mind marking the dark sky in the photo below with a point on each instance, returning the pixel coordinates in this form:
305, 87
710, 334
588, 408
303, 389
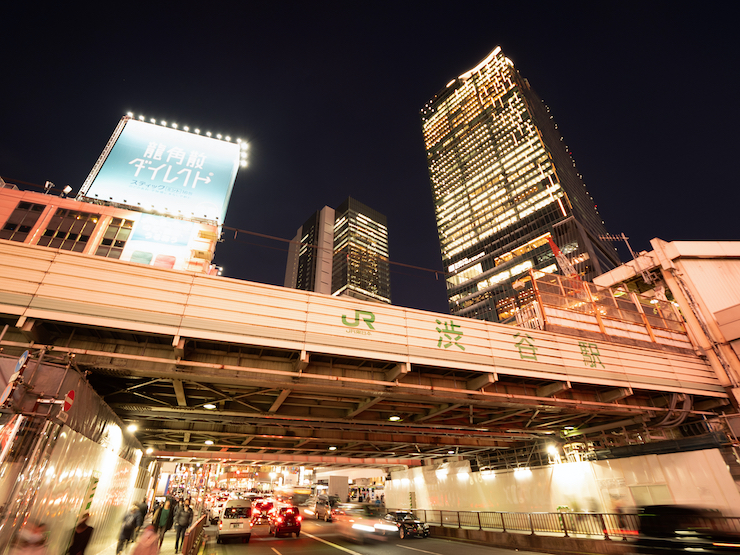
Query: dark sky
328, 95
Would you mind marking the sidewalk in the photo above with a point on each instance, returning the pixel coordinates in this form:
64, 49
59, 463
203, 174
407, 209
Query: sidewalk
209, 547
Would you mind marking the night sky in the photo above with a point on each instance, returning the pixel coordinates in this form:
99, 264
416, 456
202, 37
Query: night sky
328, 95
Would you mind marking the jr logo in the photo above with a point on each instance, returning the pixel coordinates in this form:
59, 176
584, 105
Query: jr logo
367, 317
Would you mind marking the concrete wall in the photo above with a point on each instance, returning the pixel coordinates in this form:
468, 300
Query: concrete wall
696, 478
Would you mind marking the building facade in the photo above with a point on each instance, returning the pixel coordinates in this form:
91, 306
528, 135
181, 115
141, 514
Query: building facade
342, 252
503, 183
311, 252
106, 231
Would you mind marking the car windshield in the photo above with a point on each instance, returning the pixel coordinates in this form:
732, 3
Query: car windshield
237, 512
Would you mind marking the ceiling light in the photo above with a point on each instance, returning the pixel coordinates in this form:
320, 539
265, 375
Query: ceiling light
132, 427
332, 448
394, 418
209, 406
209, 442
149, 450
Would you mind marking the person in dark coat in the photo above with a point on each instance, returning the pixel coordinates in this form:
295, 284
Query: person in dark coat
81, 536
131, 521
143, 510
183, 520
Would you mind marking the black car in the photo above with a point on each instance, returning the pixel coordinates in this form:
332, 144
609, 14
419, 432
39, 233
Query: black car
675, 528
403, 523
285, 520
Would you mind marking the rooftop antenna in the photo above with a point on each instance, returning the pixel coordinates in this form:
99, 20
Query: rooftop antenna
622, 237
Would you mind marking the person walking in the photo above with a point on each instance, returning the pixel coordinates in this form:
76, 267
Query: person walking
81, 536
148, 543
142, 511
163, 520
183, 519
131, 521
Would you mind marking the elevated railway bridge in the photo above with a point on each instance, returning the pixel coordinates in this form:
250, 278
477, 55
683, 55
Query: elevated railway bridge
219, 370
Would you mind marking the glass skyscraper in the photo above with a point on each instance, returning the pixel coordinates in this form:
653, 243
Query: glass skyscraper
503, 182
342, 252
361, 268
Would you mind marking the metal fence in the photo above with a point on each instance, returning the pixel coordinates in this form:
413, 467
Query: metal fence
599, 525
193, 537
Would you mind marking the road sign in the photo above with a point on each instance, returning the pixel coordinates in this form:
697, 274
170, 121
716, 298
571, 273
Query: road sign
21, 361
69, 400
6, 393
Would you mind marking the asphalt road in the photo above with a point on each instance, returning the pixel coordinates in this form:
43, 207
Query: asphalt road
322, 538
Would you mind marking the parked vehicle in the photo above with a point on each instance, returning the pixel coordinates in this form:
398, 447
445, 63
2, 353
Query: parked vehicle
403, 524
235, 520
679, 529
285, 520
323, 509
358, 520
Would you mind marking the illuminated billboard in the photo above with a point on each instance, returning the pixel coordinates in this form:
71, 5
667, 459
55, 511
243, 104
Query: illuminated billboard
164, 170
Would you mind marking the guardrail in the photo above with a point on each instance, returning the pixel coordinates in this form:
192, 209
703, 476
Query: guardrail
584, 525
193, 537
602, 525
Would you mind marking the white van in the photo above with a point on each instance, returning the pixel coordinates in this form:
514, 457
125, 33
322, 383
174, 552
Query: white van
235, 520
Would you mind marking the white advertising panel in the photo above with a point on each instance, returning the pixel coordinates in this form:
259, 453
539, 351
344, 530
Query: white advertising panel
160, 169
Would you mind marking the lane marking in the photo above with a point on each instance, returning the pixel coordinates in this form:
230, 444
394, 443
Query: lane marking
419, 550
331, 544
276, 551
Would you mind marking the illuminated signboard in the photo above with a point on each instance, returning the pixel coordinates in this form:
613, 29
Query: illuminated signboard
165, 170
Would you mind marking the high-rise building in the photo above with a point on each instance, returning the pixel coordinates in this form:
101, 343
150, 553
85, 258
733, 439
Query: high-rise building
342, 252
310, 254
504, 182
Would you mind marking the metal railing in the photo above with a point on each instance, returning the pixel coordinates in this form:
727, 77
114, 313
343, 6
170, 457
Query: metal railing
193, 537
600, 525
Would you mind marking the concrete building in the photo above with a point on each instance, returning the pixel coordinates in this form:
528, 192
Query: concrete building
503, 183
342, 252
106, 231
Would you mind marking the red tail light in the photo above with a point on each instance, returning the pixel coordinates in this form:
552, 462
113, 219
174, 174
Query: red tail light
280, 519
220, 524
299, 518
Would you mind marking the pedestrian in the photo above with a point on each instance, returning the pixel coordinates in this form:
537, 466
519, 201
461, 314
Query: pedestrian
183, 519
131, 521
142, 511
81, 536
148, 543
163, 520
31, 540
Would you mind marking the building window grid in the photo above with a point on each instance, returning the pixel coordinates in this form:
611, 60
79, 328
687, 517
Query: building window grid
21, 221
69, 230
115, 237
